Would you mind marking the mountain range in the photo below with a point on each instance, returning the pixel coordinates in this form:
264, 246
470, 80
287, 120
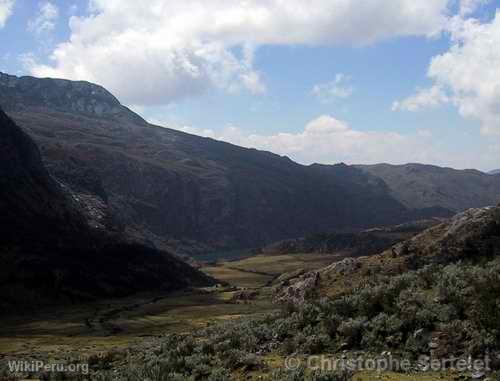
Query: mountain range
423, 186
190, 194
494, 172
49, 252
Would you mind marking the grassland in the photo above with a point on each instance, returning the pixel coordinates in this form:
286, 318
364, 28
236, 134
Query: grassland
115, 324
258, 271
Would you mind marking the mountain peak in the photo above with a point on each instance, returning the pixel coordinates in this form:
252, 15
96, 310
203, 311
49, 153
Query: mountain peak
80, 97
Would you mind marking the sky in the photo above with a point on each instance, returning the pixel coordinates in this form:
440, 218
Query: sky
326, 81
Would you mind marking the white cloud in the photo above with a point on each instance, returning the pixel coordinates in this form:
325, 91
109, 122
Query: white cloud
470, 70
6, 7
467, 75
46, 18
252, 81
329, 140
160, 51
468, 7
424, 98
331, 91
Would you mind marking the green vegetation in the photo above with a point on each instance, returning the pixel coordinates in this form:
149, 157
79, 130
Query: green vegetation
402, 313
437, 295
454, 306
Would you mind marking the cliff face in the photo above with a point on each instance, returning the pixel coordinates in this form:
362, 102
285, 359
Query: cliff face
182, 191
49, 252
31, 201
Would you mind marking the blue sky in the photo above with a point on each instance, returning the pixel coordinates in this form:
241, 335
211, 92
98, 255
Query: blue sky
418, 85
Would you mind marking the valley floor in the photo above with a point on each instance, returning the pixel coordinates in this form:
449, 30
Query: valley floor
107, 329
115, 324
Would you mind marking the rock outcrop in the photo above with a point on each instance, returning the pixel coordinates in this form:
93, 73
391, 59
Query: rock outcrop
298, 290
473, 235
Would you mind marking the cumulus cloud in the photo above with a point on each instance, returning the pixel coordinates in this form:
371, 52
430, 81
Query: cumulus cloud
329, 92
329, 140
467, 75
424, 98
45, 21
6, 7
156, 52
470, 70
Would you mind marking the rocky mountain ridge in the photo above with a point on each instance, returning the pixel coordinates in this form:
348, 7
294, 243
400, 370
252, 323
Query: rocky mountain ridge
78, 97
424, 186
192, 194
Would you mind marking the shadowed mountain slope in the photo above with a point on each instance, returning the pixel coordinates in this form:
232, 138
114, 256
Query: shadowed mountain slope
48, 251
182, 191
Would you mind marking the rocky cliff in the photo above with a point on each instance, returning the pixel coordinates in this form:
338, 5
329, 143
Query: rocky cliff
49, 253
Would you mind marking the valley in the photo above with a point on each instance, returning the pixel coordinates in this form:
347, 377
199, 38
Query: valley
113, 333
152, 254
115, 324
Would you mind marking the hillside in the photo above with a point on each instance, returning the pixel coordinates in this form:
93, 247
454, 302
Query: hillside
494, 172
425, 186
50, 250
432, 297
185, 192
365, 242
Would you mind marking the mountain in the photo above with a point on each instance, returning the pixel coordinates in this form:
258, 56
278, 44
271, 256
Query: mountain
185, 192
50, 251
426, 186
494, 172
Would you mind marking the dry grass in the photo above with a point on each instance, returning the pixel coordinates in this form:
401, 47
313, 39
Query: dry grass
65, 330
257, 271
236, 277
279, 264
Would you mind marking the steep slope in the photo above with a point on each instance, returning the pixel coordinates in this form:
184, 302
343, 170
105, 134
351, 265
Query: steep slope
183, 191
470, 237
48, 251
425, 186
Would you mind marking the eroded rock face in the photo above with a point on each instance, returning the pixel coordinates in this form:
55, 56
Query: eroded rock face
298, 290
